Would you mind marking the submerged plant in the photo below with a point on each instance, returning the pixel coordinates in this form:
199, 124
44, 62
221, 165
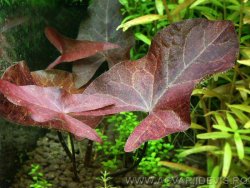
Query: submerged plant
104, 179
38, 178
160, 83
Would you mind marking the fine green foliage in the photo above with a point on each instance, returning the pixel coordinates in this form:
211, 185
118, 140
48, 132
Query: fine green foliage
38, 178
104, 179
122, 125
158, 150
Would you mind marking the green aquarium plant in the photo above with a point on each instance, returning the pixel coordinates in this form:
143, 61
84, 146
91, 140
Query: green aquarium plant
38, 180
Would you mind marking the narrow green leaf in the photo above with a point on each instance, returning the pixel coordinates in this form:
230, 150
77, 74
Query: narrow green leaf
244, 137
207, 93
198, 149
183, 167
235, 2
214, 135
240, 88
219, 119
140, 20
244, 38
247, 150
239, 145
214, 176
159, 7
232, 121
223, 128
207, 11
233, 16
227, 158
242, 117
244, 131
244, 62
181, 7
247, 125
196, 126
242, 107
245, 52
217, 3
143, 38
198, 2
234, 7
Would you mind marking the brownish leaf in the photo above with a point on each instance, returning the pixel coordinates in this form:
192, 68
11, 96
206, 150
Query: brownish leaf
161, 83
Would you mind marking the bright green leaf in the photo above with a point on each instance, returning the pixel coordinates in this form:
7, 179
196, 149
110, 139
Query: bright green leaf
244, 62
242, 117
227, 158
247, 125
196, 3
183, 167
214, 176
159, 7
232, 121
214, 135
219, 119
140, 20
196, 126
239, 145
223, 128
198, 149
242, 107
143, 38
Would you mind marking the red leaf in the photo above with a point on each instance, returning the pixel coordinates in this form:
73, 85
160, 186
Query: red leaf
101, 25
46, 106
161, 83
73, 50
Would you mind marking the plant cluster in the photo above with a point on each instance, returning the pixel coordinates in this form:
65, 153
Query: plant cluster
121, 126
104, 179
38, 178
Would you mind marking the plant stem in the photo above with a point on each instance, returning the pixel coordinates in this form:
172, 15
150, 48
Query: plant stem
69, 154
224, 9
126, 170
170, 18
76, 178
237, 65
88, 154
181, 7
205, 111
64, 145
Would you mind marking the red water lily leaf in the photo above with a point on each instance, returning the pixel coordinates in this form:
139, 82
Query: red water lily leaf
161, 83
65, 80
46, 106
73, 50
101, 25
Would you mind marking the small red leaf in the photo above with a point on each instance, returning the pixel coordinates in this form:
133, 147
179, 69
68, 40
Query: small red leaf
73, 50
